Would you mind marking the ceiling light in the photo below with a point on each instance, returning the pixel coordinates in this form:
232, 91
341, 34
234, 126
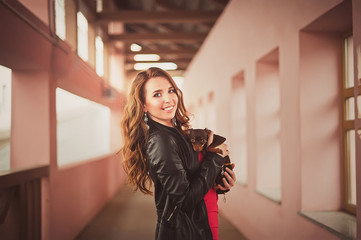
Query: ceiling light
162, 65
99, 5
146, 57
135, 47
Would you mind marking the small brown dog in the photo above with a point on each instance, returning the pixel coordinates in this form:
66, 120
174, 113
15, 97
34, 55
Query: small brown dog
199, 139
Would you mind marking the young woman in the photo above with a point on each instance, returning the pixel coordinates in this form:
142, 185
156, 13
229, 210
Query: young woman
157, 150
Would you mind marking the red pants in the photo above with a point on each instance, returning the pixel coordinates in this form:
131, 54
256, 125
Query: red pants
211, 199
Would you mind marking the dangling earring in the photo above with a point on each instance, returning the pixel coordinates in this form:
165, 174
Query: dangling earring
146, 119
174, 121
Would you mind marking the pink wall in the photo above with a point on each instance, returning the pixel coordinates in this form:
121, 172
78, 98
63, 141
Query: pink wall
79, 192
38, 8
30, 136
72, 195
247, 31
84, 188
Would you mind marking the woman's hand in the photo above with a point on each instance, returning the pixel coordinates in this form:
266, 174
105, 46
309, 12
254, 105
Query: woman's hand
230, 182
229, 174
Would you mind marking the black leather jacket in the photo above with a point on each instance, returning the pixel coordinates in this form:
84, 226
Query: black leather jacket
180, 184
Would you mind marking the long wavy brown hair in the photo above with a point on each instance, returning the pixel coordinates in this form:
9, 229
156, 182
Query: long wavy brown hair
135, 131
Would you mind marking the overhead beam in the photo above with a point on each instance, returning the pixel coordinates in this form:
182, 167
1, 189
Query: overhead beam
176, 61
172, 16
131, 74
178, 72
163, 52
222, 2
149, 37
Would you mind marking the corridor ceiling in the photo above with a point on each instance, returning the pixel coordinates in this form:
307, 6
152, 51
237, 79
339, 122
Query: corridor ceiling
173, 29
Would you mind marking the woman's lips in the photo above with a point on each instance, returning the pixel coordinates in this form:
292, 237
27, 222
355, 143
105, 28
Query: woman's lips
169, 108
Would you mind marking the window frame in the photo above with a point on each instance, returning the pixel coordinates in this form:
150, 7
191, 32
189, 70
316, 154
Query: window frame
347, 125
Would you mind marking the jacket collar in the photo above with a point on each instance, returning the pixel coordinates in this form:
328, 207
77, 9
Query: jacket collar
153, 125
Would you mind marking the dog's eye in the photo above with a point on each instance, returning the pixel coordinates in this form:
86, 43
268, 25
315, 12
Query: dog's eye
203, 140
193, 140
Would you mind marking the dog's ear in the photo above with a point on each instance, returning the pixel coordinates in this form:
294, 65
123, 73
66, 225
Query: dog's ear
207, 131
218, 140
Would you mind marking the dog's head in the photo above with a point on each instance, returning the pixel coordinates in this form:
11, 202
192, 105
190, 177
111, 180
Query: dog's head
198, 138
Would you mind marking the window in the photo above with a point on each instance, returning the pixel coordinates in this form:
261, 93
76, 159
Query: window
83, 128
60, 19
99, 56
322, 121
268, 126
321, 111
199, 120
211, 113
349, 131
238, 137
82, 36
5, 117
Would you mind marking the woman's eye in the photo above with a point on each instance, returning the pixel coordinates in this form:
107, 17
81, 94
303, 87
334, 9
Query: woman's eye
156, 95
171, 91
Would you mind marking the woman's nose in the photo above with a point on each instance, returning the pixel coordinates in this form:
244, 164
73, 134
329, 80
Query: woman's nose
166, 98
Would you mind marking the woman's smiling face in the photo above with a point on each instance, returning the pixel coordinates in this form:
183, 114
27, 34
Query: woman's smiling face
161, 100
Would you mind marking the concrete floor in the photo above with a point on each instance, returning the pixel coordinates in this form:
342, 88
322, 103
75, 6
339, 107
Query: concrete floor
132, 216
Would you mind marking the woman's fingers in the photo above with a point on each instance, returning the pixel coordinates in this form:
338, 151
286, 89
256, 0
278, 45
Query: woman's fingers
226, 184
229, 180
219, 187
230, 175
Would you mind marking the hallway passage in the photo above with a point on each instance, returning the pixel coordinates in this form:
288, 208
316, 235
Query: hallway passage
132, 216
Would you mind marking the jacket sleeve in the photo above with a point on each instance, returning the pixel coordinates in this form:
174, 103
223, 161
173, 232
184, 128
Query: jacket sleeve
165, 161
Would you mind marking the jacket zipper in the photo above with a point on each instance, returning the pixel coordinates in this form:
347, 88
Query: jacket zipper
171, 215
